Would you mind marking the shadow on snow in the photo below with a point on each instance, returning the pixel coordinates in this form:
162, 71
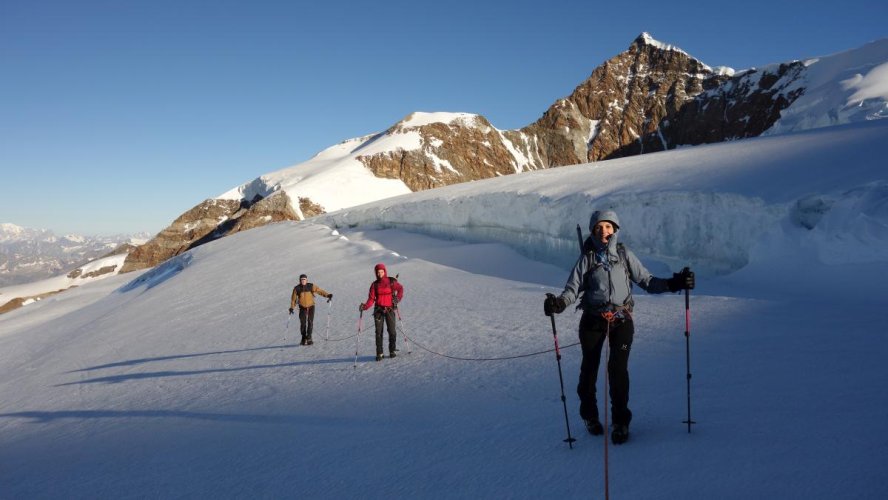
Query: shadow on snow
115, 379
51, 416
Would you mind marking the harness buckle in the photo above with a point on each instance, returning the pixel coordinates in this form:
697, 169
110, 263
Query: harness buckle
615, 314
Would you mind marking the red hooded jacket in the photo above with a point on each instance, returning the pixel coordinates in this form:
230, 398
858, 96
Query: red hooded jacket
388, 288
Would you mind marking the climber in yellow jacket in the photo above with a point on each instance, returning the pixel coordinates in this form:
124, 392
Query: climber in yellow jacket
303, 297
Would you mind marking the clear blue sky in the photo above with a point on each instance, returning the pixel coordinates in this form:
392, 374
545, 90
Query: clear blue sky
117, 116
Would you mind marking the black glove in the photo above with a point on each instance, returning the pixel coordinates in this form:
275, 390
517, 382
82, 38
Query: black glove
360, 307
681, 281
329, 297
291, 310
553, 304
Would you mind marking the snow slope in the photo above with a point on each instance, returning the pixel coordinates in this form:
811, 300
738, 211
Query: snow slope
848, 87
336, 179
185, 381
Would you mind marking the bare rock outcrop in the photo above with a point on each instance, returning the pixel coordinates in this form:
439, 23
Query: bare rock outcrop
275, 208
209, 220
461, 150
654, 97
744, 105
309, 208
78, 273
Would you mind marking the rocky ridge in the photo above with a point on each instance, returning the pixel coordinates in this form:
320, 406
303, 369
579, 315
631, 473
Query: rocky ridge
209, 220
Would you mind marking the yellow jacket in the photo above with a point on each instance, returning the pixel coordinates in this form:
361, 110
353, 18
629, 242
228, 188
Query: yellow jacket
304, 295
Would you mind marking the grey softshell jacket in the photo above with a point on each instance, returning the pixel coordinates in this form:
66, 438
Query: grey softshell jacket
602, 287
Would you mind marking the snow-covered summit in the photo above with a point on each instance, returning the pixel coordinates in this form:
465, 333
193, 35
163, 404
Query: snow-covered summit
8, 228
419, 119
11, 232
646, 39
334, 178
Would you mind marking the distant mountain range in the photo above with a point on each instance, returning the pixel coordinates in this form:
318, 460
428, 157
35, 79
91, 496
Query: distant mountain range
28, 254
651, 97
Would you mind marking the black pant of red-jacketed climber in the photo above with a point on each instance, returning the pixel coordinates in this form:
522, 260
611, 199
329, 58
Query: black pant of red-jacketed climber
385, 316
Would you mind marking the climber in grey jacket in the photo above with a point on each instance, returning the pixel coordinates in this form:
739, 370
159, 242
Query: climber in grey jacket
604, 275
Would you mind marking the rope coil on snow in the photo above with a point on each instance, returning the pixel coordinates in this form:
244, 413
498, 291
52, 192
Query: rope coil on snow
341, 339
457, 358
424, 348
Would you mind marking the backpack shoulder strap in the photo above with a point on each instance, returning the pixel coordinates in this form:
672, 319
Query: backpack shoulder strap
392, 281
621, 253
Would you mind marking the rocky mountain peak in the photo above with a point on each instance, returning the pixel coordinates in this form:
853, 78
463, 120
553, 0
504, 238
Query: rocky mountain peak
623, 100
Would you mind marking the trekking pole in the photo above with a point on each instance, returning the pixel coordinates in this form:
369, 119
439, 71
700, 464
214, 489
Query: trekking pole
403, 330
606, 392
360, 318
329, 310
688, 349
570, 440
287, 328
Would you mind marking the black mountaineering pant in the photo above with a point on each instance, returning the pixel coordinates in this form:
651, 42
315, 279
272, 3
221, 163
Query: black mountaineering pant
306, 321
593, 329
385, 315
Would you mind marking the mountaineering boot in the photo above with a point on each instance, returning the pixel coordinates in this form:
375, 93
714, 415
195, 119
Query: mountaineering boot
379, 356
392, 354
309, 341
594, 427
620, 434
303, 341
